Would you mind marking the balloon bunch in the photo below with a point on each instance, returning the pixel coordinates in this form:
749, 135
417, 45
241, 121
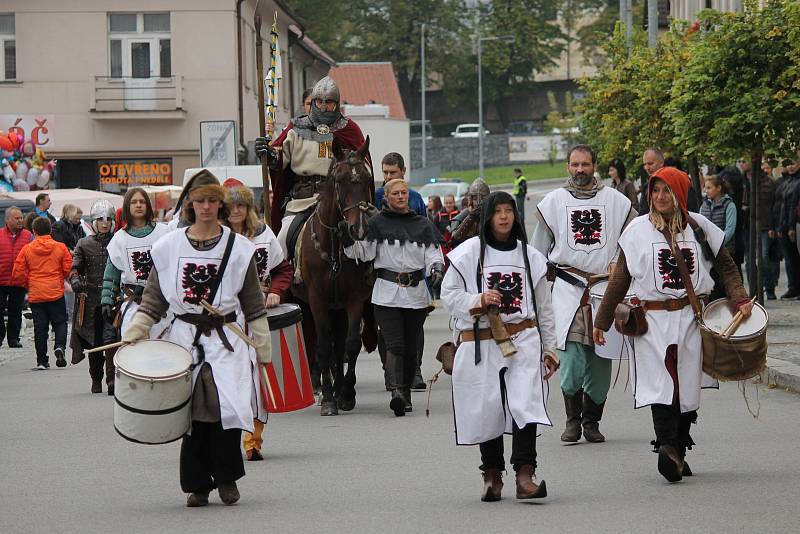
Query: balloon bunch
23, 167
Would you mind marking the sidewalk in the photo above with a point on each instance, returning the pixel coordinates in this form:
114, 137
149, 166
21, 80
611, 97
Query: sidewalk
783, 336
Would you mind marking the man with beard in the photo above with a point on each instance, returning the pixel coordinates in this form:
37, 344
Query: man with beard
578, 226
301, 155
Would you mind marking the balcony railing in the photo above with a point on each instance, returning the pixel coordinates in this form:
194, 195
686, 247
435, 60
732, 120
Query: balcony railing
126, 94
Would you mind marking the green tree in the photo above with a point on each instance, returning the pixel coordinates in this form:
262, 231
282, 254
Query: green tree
389, 30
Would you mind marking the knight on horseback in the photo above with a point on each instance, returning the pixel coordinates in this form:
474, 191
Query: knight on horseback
299, 158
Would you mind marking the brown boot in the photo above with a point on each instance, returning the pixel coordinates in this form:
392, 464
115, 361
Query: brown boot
526, 487
492, 485
592, 413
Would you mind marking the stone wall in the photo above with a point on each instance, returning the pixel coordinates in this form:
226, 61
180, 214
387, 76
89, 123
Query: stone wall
457, 154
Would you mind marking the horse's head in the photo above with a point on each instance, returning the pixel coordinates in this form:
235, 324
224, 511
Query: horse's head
351, 178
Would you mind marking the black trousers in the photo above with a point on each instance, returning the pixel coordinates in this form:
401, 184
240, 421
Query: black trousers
46, 314
210, 456
12, 299
523, 449
401, 329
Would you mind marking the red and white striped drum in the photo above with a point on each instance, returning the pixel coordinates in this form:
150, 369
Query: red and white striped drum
289, 378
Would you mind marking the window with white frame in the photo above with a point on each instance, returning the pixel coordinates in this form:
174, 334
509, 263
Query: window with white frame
8, 48
139, 45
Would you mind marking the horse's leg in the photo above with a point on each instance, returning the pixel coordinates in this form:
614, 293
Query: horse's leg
323, 329
310, 339
352, 348
338, 330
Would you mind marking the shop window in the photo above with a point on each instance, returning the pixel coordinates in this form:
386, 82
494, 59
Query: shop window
8, 48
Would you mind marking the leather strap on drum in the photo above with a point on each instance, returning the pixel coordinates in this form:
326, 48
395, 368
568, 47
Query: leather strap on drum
213, 288
687, 278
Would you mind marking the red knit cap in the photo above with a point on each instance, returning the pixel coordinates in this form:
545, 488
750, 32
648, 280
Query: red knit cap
231, 182
678, 182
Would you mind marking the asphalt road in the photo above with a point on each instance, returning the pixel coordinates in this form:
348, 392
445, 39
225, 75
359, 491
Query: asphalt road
64, 469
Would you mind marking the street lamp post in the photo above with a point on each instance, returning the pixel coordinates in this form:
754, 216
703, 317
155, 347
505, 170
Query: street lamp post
422, 83
480, 40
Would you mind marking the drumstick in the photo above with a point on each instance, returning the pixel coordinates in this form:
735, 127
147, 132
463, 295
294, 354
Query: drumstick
736, 321
266, 381
233, 327
106, 347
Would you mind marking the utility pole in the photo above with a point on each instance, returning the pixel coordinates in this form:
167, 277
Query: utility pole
626, 17
652, 23
480, 111
422, 90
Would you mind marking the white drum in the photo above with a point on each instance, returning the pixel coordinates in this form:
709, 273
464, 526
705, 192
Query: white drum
152, 390
617, 346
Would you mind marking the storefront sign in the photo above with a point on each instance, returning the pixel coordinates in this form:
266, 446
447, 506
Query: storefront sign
133, 172
38, 128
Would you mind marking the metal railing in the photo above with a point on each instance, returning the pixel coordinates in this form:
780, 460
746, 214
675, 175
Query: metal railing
125, 93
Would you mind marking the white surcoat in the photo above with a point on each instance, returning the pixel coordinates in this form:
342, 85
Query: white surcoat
480, 414
131, 256
655, 276
585, 235
184, 274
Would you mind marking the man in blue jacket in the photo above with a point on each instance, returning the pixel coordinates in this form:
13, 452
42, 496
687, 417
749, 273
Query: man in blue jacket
393, 167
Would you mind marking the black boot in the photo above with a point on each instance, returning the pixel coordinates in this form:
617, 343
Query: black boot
398, 403
574, 407
685, 439
418, 384
96, 371
592, 413
666, 423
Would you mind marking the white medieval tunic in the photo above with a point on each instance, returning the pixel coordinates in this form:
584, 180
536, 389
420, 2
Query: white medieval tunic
184, 274
480, 414
585, 234
131, 256
655, 276
268, 255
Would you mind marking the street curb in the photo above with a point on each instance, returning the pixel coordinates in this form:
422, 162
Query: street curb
782, 374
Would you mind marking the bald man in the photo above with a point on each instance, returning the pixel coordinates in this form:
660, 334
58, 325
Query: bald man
652, 160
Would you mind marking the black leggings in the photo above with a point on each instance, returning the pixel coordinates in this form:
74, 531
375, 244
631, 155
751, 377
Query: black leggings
401, 329
210, 456
523, 449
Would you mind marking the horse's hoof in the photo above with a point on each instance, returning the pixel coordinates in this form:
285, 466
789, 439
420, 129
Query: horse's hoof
347, 404
329, 408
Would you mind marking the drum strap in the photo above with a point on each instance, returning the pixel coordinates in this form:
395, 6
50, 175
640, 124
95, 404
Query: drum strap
685, 275
216, 281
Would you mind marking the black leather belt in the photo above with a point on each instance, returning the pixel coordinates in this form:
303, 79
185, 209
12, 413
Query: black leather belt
411, 279
207, 323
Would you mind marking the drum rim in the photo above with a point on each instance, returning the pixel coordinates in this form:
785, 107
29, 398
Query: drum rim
723, 302
133, 374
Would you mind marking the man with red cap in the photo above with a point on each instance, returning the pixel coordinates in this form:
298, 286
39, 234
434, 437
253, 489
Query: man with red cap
667, 372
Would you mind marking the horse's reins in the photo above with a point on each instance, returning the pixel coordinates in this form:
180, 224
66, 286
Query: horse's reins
362, 205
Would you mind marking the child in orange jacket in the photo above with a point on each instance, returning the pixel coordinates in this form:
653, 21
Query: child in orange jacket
41, 267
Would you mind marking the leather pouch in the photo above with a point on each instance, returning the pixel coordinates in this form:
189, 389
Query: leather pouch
447, 356
630, 320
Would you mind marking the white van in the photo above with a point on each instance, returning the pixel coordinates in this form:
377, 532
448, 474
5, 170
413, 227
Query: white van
249, 175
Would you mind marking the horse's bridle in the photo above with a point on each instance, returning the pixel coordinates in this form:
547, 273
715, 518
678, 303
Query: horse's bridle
363, 206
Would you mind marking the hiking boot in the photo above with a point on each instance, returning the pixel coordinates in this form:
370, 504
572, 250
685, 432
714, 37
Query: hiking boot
592, 413
526, 487
61, 361
492, 485
196, 500
228, 492
670, 464
574, 407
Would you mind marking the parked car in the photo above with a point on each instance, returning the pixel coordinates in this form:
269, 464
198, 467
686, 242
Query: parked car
442, 187
468, 130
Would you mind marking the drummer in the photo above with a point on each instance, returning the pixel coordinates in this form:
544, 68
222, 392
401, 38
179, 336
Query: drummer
275, 276
129, 261
667, 371
207, 263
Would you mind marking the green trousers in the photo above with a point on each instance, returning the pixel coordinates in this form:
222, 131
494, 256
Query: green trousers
581, 368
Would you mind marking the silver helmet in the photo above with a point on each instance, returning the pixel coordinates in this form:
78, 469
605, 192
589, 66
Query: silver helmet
326, 89
102, 209
477, 191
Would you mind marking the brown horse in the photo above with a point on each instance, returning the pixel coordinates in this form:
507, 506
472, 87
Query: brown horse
334, 282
